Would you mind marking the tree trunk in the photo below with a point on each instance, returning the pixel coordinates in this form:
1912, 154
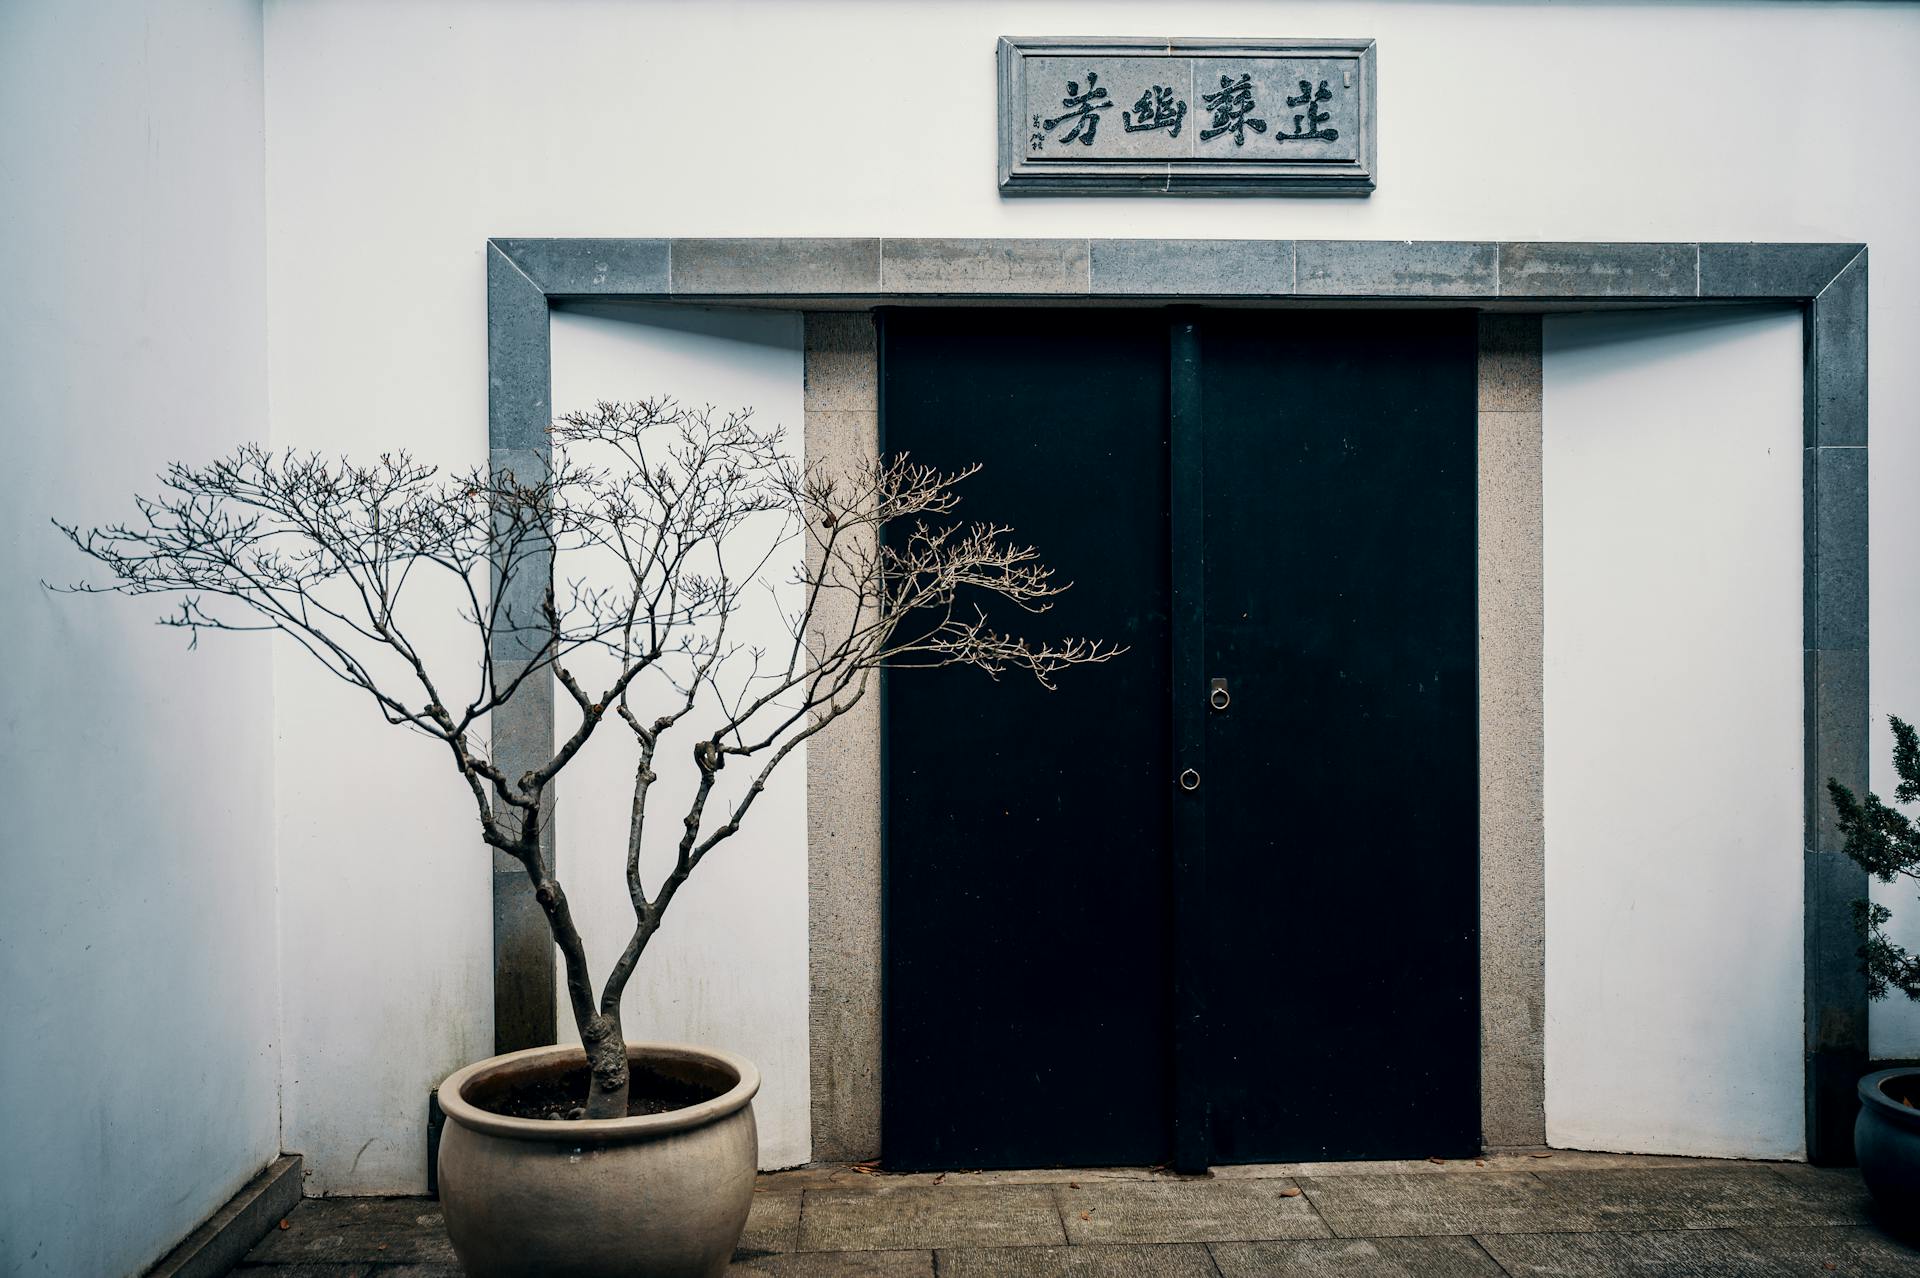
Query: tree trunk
607, 1074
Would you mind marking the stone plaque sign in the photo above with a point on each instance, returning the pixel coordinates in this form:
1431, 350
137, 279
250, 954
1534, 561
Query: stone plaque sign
1181, 117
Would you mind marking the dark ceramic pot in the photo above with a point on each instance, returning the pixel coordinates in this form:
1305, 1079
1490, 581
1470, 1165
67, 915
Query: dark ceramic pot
1886, 1140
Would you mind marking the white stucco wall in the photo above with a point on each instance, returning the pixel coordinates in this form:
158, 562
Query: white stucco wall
722, 969
138, 1039
1672, 496
400, 136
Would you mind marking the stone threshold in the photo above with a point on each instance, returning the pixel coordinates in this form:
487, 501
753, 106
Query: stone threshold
227, 1235
1541, 1159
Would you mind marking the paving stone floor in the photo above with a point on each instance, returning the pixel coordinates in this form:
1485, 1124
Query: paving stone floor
1562, 1214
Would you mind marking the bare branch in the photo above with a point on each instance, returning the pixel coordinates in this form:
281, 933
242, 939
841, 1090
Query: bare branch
678, 513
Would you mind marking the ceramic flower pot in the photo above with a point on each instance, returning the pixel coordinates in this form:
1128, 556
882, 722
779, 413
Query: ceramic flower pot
1886, 1140
656, 1194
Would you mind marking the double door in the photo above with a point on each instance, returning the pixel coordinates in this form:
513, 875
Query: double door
1217, 900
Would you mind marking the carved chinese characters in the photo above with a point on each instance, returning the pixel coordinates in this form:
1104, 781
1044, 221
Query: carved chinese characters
1115, 115
1083, 110
1310, 98
1232, 109
1156, 109
1238, 104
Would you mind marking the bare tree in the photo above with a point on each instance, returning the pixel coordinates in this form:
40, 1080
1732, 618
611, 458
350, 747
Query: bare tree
685, 510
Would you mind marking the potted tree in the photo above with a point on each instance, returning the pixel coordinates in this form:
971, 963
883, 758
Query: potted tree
1885, 843
614, 1156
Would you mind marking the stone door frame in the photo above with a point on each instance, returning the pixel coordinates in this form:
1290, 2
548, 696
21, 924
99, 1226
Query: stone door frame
837, 281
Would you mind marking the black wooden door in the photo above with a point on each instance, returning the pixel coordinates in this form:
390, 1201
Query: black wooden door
1341, 780
1086, 964
1026, 1005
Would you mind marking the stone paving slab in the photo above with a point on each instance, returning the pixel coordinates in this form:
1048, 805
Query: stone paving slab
339, 1230
1721, 1199
1855, 1251
1682, 1253
917, 1216
1847, 1251
1185, 1211
1421, 1205
1838, 1189
1452, 1257
1543, 1161
773, 1223
1172, 1260
837, 1264
1593, 1218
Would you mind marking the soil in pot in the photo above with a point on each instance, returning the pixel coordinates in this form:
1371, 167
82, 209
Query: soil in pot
562, 1095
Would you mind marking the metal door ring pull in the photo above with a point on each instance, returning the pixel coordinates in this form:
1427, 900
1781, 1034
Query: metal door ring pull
1220, 699
1189, 780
